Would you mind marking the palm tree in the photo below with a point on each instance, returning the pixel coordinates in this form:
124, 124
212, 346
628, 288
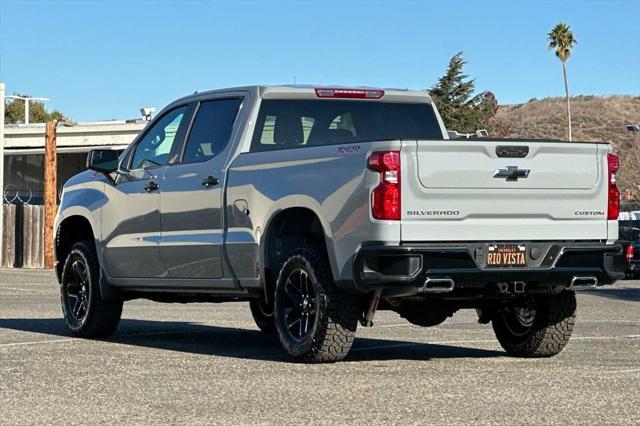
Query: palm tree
561, 40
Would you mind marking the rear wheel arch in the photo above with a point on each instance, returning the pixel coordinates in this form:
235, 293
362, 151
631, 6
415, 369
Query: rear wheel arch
290, 228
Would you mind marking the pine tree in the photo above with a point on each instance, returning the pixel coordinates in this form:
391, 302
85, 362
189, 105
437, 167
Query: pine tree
453, 97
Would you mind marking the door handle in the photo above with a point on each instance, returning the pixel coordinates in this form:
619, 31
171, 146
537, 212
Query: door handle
210, 181
151, 186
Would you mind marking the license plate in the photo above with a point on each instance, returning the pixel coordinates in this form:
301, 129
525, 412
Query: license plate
506, 256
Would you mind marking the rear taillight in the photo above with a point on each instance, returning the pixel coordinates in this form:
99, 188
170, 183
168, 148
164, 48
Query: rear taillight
614, 193
329, 92
629, 253
385, 198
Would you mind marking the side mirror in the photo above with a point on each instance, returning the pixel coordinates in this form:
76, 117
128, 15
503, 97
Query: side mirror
103, 160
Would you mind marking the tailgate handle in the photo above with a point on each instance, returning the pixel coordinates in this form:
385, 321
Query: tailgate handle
505, 151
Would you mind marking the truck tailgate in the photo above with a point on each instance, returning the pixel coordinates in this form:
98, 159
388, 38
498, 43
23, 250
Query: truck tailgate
483, 190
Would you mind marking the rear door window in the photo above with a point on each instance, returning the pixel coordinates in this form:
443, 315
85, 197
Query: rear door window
285, 124
211, 130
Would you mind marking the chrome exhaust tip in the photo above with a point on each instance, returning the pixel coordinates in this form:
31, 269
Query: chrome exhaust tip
578, 282
437, 285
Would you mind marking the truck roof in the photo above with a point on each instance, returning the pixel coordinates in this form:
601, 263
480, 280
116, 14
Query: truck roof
309, 92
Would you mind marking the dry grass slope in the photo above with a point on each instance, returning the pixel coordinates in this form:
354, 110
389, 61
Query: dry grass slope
594, 118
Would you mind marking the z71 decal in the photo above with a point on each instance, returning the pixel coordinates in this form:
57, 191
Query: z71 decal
348, 149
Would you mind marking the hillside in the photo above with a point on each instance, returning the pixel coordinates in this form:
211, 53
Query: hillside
594, 118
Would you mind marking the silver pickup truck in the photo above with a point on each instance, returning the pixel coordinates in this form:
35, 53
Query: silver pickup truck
319, 205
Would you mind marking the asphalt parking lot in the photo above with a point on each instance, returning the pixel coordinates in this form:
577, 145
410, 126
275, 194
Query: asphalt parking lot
206, 363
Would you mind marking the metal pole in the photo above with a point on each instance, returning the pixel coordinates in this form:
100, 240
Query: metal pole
26, 110
1, 169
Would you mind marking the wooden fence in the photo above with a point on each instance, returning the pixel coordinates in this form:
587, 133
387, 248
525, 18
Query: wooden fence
23, 236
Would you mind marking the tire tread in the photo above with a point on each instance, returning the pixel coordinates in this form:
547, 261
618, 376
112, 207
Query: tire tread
553, 327
338, 323
103, 316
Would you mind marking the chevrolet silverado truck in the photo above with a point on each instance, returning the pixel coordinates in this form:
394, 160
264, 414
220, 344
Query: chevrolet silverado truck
320, 205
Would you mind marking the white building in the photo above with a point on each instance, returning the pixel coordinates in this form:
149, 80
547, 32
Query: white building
24, 153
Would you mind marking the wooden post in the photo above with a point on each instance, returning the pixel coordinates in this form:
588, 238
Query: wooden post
50, 191
9, 236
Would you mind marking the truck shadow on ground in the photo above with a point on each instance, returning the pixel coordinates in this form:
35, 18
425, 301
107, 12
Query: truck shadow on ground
629, 294
242, 343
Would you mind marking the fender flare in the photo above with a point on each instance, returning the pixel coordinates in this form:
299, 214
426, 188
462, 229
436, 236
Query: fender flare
290, 202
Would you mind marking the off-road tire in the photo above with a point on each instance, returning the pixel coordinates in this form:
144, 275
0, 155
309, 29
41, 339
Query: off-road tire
550, 332
101, 317
264, 319
333, 330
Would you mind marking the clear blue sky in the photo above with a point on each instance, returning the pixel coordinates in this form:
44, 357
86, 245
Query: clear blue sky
104, 60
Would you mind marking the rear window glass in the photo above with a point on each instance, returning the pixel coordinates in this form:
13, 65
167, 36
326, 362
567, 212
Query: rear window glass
292, 123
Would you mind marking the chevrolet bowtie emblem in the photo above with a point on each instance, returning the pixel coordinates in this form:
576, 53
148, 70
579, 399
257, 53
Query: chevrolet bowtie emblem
512, 173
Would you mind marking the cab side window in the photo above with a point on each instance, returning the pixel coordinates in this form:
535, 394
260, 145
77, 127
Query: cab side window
155, 147
211, 130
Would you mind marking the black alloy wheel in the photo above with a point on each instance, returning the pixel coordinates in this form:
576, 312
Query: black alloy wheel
540, 327
315, 321
519, 320
86, 313
300, 305
76, 290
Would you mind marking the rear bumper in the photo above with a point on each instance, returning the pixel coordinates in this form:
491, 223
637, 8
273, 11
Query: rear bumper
549, 263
